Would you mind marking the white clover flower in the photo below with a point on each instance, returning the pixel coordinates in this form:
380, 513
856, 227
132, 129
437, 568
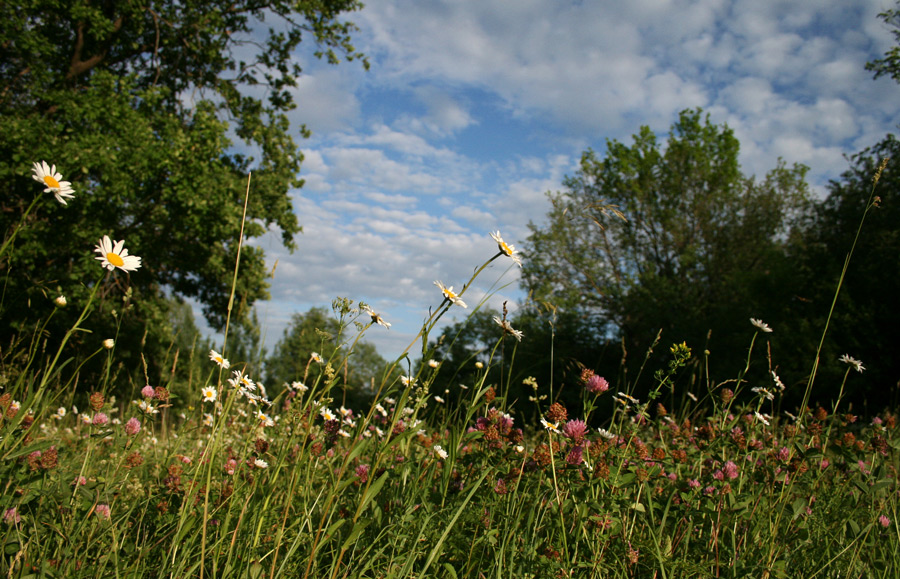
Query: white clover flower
761, 325
114, 256
46, 175
857, 365
450, 295
507, 249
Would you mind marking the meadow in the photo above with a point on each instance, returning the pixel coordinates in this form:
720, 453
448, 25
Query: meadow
221, 476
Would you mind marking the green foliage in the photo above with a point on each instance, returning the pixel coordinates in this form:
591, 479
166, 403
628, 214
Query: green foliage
148, 110
672, 237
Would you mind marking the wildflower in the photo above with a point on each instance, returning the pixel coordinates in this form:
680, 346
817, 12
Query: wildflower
760, 417
778, 381
884, 521
11, 516
575, 429
730, 469
115, 255
857, 365
100, 419
46, 175
146, 407
375, 317
575, 456
219, 359
763, 392
209, 393
406, 381
260, 463
109, 343
315, 357
133, 426
629, 398
148, 391
440, 451
479, 365
507, 328
60, 301
433, 363
264, 419
327, 415
551, 426
102, 511
60, 413
596, 384
605, 434
449, 295
438, 399
507, 249
362, 472
79, 481
299, 386
764, 327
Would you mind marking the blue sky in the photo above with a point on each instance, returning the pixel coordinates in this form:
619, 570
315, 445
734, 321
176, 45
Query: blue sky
474, 109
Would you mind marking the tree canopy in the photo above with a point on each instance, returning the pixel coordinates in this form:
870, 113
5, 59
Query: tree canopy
156, 112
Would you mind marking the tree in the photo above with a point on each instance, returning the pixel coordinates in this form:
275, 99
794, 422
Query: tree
316, 331
156, 112
670, 237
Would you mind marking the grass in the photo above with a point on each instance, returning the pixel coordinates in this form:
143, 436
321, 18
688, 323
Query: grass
164, 483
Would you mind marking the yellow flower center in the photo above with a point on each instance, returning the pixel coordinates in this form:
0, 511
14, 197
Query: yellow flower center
115, 259
51, 182
505, 248
450, 295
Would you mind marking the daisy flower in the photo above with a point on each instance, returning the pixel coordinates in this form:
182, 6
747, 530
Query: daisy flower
507, 249
377, 319
440, 451
219, 359
208, 393
857, 365
299, 386
507, 328
327, 415
551, 426
761, 325
260, 463
47, 175
113, 255
316, 358
449, 295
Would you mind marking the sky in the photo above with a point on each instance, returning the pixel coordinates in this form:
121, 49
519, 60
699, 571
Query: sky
473, 110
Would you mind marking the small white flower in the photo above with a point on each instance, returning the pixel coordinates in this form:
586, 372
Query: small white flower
761, 325
439, 399
507, 249
606, 434
778, 381
209, 393
46, 175
551, 426
433, 363
450, 295
327, 415
377, 319
440, 451
761, 418
60, 301
299, 386
407, 381
763, 392
315, 357
109, 343
630, 398
114, 255
479, 365
857, 365
207, 419
60, 413
218, 359
520, 448
507, 328
260, 463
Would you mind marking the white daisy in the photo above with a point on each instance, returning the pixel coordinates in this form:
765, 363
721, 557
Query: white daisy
209, 393
219, 359
551, 426
440, 451
857, 365
327, 415
761, 325
449, 295
507, 327
47, 175
507, 249
375, 317
260, 463
316, 358
115, 255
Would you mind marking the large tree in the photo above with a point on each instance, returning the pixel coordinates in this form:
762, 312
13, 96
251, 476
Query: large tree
669, 236
156, 111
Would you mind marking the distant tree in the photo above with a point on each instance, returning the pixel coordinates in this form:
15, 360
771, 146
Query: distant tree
156, 112
317, 331
890, 64
668, 236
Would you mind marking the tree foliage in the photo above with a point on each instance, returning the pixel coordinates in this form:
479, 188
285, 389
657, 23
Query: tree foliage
667, 236
156, 112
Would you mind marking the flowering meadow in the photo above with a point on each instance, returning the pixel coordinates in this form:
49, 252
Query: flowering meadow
223, 476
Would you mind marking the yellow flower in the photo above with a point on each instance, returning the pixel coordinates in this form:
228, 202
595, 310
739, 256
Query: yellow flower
115, 255
47, 175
